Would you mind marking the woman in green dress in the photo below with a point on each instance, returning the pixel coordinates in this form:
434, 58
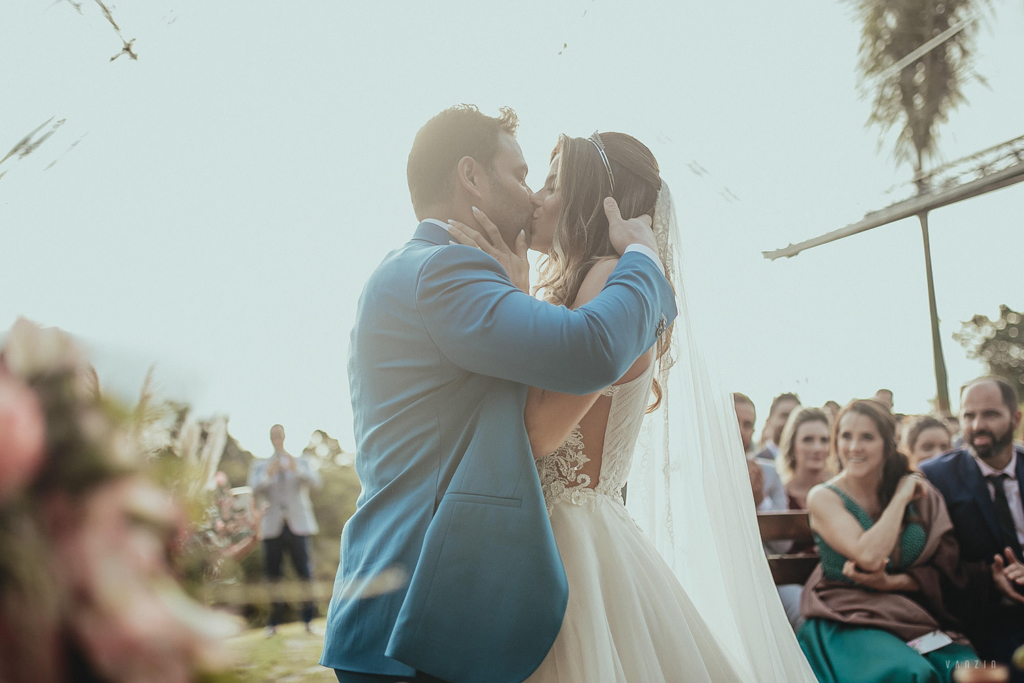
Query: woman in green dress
874, 605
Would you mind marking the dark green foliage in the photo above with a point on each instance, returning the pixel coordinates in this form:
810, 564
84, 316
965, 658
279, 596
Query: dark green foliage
235, 462
999, 342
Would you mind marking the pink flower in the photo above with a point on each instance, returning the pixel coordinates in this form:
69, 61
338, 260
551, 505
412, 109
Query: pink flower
22, 434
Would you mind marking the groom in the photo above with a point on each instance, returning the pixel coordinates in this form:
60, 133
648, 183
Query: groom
449, 570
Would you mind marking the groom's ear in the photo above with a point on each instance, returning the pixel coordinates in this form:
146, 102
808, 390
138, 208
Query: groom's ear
469, 174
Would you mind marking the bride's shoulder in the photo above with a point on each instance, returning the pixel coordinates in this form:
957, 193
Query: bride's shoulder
595, 280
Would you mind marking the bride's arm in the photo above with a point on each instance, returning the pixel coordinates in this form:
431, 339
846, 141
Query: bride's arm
551, 416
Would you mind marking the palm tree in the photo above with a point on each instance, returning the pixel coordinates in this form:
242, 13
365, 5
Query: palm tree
917, 95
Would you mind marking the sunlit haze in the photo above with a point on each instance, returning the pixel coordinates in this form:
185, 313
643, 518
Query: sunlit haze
232, 189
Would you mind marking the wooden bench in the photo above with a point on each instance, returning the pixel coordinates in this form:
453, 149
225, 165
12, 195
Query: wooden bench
788, 525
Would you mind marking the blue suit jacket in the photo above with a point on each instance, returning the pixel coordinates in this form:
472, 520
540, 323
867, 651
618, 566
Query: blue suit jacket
958, 478
443, 350
995, 628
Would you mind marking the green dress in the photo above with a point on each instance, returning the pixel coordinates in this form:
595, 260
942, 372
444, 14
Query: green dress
839, 653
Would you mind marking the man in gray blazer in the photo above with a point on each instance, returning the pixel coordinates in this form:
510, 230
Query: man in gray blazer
283, 482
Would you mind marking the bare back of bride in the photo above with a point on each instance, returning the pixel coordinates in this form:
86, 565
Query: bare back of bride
629, 617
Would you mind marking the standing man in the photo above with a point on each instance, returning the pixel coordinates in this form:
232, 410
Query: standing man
778, 414
982, 488
283, 482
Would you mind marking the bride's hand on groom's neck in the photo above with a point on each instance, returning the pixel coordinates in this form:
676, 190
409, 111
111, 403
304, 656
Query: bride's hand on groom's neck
491, 243
622, 233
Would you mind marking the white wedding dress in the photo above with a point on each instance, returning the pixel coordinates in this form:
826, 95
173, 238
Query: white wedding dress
628, 618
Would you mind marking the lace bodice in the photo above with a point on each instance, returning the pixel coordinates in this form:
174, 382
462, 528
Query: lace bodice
560, 476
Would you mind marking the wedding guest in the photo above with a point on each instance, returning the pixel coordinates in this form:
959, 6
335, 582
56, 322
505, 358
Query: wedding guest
884, 396
746, 414
901, 420
956, 436
924, 437
782, 406
235, 523
284, 482
982, 487
886, 542
769, 495
832, 408
802, 464
803, 454
764, 479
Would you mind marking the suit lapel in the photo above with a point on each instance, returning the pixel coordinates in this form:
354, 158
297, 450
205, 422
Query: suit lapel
1020, 470
975, 483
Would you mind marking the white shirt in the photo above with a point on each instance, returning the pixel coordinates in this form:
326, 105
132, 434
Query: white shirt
1012, 488
646, 251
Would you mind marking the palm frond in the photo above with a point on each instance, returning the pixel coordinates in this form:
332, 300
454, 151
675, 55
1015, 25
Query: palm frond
921, 96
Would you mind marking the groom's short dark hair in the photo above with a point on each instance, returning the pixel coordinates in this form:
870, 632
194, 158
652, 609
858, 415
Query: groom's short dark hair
459, 131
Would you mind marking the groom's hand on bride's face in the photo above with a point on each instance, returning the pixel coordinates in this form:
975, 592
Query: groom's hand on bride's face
623, 233
491, 243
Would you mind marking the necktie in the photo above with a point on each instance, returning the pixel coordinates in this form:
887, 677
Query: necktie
1003, 515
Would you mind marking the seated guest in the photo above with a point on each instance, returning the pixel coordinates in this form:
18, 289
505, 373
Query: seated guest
953, 425
802, 465
832, 408
746, 415
901, 420
924, 437
884, 396
886, 542
782, 406
803, 454
764, 479
982, 487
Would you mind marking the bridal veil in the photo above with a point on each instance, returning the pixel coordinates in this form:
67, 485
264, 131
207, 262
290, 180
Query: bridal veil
690, 492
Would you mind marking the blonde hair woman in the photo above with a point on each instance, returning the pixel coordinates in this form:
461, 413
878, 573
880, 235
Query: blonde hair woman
803, 460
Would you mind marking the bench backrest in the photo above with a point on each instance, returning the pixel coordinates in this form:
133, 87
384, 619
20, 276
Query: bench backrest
788, 525
785, 525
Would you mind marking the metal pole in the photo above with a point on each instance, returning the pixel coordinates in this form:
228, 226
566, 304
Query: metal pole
910, 207
941, 382
926, 47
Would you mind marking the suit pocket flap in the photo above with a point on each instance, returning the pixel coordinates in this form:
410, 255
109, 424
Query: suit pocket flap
484, 500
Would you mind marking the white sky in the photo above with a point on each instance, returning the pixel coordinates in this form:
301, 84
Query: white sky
237, 184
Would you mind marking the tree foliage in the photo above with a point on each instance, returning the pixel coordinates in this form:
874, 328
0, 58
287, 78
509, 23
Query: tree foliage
921, 96
999, 343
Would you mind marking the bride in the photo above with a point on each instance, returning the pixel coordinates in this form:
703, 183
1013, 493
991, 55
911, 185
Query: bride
629, 617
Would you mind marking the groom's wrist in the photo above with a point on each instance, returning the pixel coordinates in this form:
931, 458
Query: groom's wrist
648, 252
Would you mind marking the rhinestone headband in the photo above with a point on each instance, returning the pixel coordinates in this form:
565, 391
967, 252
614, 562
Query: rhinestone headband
599, 144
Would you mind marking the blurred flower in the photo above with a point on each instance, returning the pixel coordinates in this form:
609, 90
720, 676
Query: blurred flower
22, 434
134, 622
32, 350
85, 554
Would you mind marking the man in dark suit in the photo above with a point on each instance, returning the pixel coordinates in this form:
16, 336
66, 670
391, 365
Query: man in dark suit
982, 488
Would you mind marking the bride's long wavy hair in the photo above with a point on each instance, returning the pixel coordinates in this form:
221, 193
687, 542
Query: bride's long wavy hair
581, 236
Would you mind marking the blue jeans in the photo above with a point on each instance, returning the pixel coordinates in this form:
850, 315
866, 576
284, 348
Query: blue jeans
298, 548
